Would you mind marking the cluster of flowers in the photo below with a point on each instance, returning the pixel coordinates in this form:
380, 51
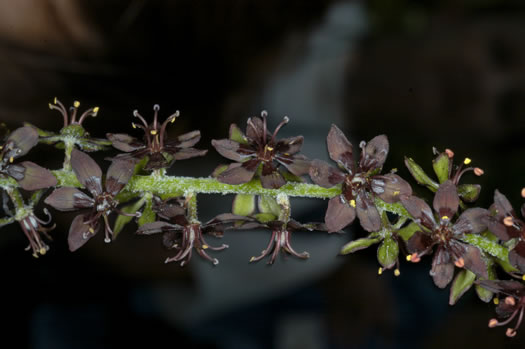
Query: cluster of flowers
475, 240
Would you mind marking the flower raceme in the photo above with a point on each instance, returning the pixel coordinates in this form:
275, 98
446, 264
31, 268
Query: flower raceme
270, 170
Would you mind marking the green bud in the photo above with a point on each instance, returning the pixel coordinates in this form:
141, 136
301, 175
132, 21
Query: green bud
237, 135
121, 221
442, 166
265, 217
419, 175
218, 170
462, 283
409, 230
484, 294
243, 204
387, 252
148, 216
469, 192
268, 204
358, 244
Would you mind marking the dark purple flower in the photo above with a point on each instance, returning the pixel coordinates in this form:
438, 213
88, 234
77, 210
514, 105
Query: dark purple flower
34, 229
506, 225
185, 234
360, 183
102, 202
281, 236
259, 149
161, 151
29, 175
445, 234
513, 305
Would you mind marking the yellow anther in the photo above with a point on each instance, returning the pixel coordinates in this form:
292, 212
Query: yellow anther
205, 247
252, 259
153, 132
76, 104
11, 159
396, 192
1, 147
173, 120
409, 258
270, 148
508, 221
467, 161
352, 203
397, 272
50, 106
523, 277
445, 218
133, 125
55, 100
96, 109
496, 300
91, 230
43, 251
379, 271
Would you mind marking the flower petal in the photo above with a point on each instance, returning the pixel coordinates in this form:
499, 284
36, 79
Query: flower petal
420, 243
374, 154
24, 138
390, 187
339, 214
87, 171
502, 205
340, 149
442, 268
289, 146
124, 142
16, 171
189, 139
158, 160
119, 173
517, 256
271, 178
472, 220
297, 165
471, 256
68, 199
367, 213
325, 175
420, 210
446, 200
238, 173
232, 150
79, 233
188, 153
36, 177
157, 227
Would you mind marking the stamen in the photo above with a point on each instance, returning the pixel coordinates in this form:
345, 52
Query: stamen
76, 104
510, 301
379, 271
467, 161
264, 114
156, 108
414, 258
508, 221
510, 332
478, 171
493, 323
409, 258
397, 272
61, 109
496, 300
523, 193
11, 159
89, 112
460, 263
450, 153
352, 203
138, 116
445, 218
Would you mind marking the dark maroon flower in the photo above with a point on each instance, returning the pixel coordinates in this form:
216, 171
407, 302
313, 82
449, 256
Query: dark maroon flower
185, 234
161, 151
102, 202
513, 305
29, 175
360, 183
444, 234
281, 236
258, 149
33, 228
506, 225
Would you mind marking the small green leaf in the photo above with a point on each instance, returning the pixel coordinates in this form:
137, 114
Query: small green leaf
268, 204
265, 217
243, 204
290, 177
6, 221
407, 231
237, 135
484, 294
121, 220
41, 133
388, 252
358, 244
442, 166
148, 216
419, 175
469, 192
218, 170
462, 283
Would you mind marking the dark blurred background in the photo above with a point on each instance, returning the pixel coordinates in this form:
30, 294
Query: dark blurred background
449, 74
